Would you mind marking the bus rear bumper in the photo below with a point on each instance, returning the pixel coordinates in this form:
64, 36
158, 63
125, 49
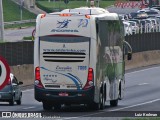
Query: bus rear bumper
68, 97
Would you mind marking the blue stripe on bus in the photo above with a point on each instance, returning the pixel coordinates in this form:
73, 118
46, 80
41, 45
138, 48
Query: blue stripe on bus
71, 77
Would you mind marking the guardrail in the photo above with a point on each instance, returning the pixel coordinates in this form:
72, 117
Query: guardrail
20, 22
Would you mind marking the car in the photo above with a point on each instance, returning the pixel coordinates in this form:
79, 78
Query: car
135, 26
123, 17
136, 20
149, 25
11, 92
143, 24
151, 12
127, 28
158, 19
141, 15
133, 14
156, 7
148, 9
154, 23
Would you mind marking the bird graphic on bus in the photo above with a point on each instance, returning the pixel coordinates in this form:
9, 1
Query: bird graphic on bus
63, 24
83, 23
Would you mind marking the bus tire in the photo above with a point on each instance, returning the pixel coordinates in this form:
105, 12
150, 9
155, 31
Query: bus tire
102, 101
11, 102
114, 103
98, 106
119, 94
47, 106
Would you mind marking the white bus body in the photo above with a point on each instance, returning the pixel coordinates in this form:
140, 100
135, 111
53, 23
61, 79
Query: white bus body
78, 58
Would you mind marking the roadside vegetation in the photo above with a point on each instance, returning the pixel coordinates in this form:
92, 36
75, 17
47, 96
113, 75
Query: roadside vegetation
28, 38
11, 12
60, 5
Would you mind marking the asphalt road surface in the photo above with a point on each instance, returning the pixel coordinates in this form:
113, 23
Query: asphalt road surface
14, 35
142, 94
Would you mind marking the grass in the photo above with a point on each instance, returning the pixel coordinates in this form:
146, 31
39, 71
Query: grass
51, 6
27, 38
11, 12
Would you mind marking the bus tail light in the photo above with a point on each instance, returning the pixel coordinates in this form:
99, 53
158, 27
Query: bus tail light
38, 82
87, 16
89, 82
43, 15
9, 82
65, 15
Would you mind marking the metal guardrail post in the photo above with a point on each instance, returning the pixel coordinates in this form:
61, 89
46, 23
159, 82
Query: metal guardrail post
1, 22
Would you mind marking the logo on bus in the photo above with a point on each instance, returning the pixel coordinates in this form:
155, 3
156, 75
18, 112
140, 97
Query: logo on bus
63, 24
62, 27
83, 23
50, 78
64, 68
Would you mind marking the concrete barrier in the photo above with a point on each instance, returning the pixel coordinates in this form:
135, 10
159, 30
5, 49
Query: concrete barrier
142, 59
25, 73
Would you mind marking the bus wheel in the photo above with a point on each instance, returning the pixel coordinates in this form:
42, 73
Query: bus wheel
47, 106
57, 106
114, 103
119, 94
100, 105
102, 101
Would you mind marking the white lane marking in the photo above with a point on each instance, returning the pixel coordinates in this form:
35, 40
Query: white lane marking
28, 108
113, 109
142, 70
27, 90
136, 105
69, 118
143, 84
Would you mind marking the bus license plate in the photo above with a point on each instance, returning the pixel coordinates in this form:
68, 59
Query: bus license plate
63, 94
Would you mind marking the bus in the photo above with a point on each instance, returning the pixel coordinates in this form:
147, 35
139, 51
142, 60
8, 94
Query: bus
79, 58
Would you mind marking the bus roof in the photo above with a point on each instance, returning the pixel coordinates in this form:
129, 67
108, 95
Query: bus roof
86, 10
71, 22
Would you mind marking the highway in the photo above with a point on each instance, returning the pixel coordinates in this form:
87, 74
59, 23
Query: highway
142, 94
15, 35
142, 90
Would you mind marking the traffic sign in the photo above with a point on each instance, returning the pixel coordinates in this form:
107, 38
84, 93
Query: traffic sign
4, 73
